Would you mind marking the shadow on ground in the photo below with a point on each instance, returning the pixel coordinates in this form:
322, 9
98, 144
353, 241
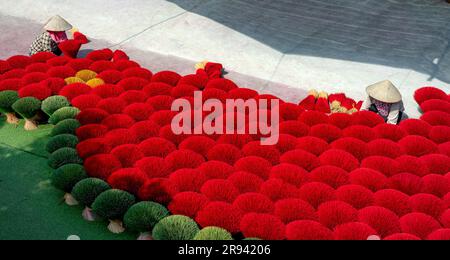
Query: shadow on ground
404, 34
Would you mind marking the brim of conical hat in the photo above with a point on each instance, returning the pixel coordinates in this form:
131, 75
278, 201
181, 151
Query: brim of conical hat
384, 91
57, 24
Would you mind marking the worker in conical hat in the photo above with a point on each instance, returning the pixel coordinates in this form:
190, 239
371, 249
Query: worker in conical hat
54, 33
384, 99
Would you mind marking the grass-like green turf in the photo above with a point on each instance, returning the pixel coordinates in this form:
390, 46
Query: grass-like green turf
30, 208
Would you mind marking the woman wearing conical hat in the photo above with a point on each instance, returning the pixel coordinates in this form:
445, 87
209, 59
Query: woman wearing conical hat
55, 33
385, 100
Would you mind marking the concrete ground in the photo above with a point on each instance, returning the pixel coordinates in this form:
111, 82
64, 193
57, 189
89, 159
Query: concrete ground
281, 47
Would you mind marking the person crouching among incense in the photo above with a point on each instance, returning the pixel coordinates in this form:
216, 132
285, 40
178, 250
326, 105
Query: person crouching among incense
54, 34
384, 99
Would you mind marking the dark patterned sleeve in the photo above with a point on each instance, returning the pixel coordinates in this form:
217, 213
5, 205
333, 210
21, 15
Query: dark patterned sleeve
43, 43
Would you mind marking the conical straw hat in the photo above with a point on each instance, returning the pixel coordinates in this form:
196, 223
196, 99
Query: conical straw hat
384, 91
57, 24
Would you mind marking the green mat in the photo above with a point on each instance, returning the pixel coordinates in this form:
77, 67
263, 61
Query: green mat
30, 208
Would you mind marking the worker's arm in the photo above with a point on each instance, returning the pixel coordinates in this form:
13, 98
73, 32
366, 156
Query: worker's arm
47, 48
366, 104
41, 44
394, 113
